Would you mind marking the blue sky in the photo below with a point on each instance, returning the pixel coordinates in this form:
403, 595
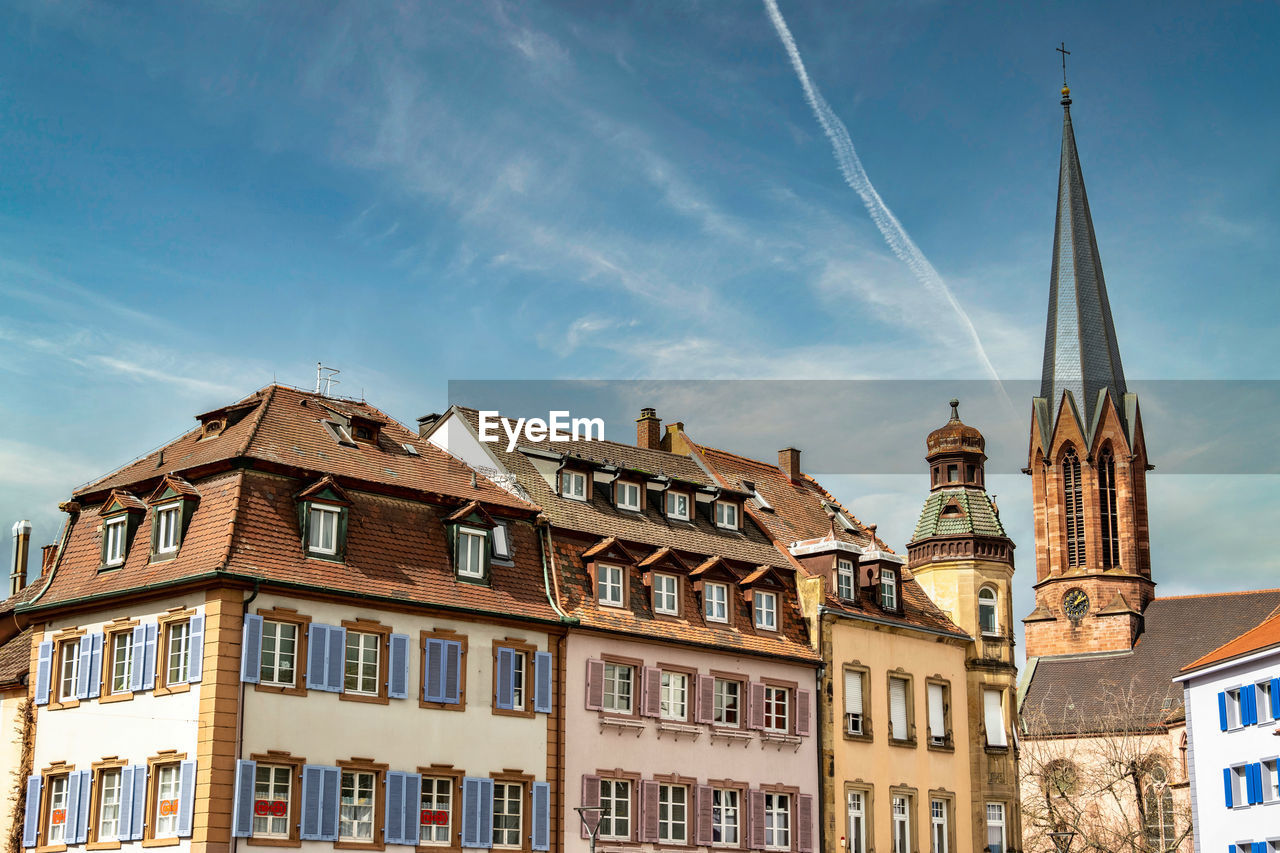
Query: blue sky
197, 200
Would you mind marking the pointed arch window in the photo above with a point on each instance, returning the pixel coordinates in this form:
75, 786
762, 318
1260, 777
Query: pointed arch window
1073, 503
1158, 819
1110, 515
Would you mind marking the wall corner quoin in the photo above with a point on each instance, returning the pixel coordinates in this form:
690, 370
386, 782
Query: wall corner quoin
217, 735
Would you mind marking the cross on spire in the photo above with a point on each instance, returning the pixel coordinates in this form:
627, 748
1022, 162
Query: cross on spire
1062, 49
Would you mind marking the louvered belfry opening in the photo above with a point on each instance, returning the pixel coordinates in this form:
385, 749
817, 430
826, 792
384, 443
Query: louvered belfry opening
1073, 504
1110, 516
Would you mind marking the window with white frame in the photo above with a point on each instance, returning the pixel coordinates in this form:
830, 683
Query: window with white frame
666, 596
279, 653
322, 536
777, 702
888, 589
167, 782
846, 580
610, 584
939, 835
1270, 781
1240, 786
56, 832
68, 669
777, 821
177, 652
272, 785
988, 621
471, 546
1234, 716
901, 824
168, 528
766, 610
108, 828
115, 530
361, 673
674, 704
436, 819
725, 814
627, 496
854, 684
121, 657
727, 515
993, 717
673, 814
1265, 701
726, 707
678, 506
356, 806
995, 827
508, 813
615, 810
619, 683
519, 661
573, 484
716, 601
856, 806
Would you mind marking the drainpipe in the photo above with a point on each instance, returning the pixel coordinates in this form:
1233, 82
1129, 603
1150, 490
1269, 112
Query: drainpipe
819, 674
550, 579
244, 611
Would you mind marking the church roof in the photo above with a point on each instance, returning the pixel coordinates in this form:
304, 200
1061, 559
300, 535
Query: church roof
958, 512
1081, 355
1073, 694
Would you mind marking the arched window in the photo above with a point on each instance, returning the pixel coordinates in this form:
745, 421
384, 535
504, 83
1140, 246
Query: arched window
988, 621
1158, 810
1073, 504
1110, 516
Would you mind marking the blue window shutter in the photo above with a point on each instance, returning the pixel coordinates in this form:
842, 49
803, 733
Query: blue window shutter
486, 812
195, 649
251, 649
149, 658
317, 655
542, 672
412, 808
126, 802
1275, 698
186, 797
85, 664
336, 658
330, 791
44, 666
138, 818
139, 653
31, 822
1222, 710
82, 819
72, 819
1250, 700
398, 666
477, 812
312, 828
452, 684
1226, 784
242, 816
541, 816
503, 697
95, 665
433, 671
393, 824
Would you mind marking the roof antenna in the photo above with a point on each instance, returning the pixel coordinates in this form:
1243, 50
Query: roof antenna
326, 380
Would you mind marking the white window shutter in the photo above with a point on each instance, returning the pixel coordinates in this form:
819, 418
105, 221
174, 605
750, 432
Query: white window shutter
937, 712
898, 708
853, 692
993, 716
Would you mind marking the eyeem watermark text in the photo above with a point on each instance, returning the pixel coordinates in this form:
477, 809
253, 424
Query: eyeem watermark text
558, 426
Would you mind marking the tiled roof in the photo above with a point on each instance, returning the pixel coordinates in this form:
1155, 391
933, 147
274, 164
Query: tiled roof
976, 515
1256, 639
1073, 693
15, 658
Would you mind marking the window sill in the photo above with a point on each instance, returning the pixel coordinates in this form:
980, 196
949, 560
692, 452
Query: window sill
50, 848
109, 698
368, 698
358, 845
942, 747
780, 739
527, 713
102, 845
623, 724
273, 842
678, 729
163, 558
280, 689
441, 706
863, 738
996, 750
909, 743
177, 688
732, 735
62, 706
161, 842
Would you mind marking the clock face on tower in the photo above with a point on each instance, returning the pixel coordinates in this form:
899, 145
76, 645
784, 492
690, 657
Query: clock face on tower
1076, 604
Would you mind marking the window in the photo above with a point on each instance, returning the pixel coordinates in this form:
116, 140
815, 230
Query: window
573, 484
518, 669
846, 580
776, 700
678, 506
272, 785
1234, 717
953, 473
108, 825
115, 535
777, 822
888, 589
165, 820
618, 683
1240, 786
727, 515
610, 585
1270, 782
857, 808
508, 798
437, 810
168, 528
627, 496
471, 546
120, 649
674, 704
724, 817
57, 829
356, 806
993, 717
995, 827
362, 663
68, 670
502, 541
1110, 518
615, 810
716, 602
1265, 702
1073, 503
937, 697
279, 653
987, 620
853, 689
898, 709
938, 832
901, 824
177, 652
1158, 811
727, 703
673, 814
766, 611
665, 596
322, 536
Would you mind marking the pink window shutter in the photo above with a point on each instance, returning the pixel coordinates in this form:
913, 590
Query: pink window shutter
702, 831
652, 691
706, 698
756, 709
595, 685
591, 800
804, 823
755, 819
649, 812
804, 702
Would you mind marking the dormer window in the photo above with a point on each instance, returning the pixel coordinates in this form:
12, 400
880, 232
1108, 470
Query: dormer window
573, 485
168, 528
846, 580
666, 595
472, 546
114, 540
889, 589
473, 539
322, 516
120, 516
362, 433
715, 598
627, 496
172, 505
610, 583
678, 506
727, 515
765, 607
322, 529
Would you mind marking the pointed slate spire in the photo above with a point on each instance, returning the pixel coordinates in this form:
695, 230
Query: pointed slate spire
1081, 355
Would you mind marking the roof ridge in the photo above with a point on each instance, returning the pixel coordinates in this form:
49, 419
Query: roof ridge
1215, 594
259, 416
706, 449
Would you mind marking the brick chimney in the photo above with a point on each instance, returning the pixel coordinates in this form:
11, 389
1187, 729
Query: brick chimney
789, 462
649, 430
48, 553
21, 548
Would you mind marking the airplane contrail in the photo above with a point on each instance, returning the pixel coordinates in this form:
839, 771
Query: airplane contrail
900, 243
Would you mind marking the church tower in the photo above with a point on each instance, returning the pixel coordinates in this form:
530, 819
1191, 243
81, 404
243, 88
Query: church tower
1087, 457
